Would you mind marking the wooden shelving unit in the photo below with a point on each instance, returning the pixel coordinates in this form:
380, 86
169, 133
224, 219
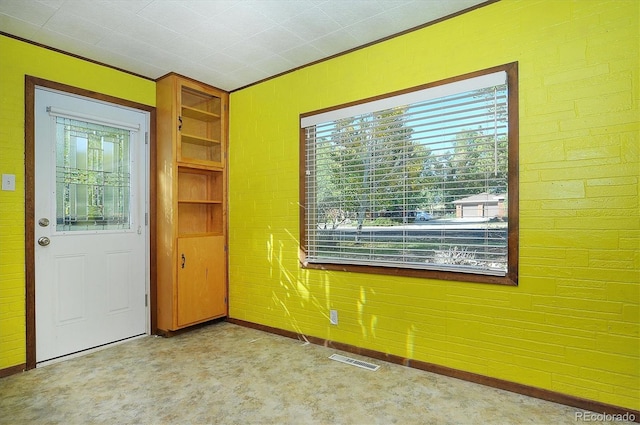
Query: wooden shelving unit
192, 202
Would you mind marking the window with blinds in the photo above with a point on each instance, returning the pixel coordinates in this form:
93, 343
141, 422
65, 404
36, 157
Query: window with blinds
422, 182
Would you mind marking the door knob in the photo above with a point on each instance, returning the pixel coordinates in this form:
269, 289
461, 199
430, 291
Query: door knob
44, 241
43, 222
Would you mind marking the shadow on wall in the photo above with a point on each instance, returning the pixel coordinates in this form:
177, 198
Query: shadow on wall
296, 292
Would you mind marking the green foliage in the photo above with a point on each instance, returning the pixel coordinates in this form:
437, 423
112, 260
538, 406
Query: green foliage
476, 162
380, 221
370, 161
370, 166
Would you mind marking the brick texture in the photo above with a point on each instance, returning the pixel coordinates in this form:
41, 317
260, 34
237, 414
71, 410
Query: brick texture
18, 59
572, 324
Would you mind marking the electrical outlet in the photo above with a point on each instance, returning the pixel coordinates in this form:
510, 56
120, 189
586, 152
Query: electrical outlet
333, 317
8, 182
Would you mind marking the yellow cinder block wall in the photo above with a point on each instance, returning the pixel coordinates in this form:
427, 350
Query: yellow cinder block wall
572, 324
18, 59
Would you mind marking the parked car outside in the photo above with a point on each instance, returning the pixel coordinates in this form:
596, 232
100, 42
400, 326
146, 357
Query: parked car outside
423, 216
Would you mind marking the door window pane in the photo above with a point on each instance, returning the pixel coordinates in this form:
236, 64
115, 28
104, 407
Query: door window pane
93, 176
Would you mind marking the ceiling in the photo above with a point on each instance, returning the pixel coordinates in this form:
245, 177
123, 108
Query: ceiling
225, 43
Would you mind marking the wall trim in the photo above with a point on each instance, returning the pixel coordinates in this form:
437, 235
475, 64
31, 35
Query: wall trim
13, 370
502, 384
73, 55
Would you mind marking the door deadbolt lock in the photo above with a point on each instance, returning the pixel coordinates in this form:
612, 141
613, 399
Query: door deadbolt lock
43, 222
44, 241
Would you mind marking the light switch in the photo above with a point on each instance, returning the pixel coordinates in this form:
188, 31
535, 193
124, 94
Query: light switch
8, 182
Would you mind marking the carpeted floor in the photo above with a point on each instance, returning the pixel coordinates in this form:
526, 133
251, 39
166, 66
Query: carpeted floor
228, 374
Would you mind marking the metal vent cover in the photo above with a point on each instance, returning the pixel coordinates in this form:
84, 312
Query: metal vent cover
348, 360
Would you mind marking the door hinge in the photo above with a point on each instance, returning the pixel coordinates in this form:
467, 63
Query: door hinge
226, 248
146, 300
146, 138
146, 219
225, 300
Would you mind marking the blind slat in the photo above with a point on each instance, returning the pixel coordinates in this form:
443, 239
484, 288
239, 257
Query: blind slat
437, 154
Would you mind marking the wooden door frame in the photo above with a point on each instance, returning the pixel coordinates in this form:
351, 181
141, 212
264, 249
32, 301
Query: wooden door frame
29, 207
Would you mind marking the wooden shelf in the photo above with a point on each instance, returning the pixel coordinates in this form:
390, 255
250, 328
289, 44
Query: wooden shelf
203, 126
197, 201
200, 150
198, 235
191, 202
198, 186
201, 100
200, 218
197, 140
204, 166
199, 114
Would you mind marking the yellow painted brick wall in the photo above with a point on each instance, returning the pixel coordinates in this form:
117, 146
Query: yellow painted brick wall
572, 326
18, 59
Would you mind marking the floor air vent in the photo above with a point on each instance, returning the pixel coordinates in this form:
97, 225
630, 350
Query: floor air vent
354, 362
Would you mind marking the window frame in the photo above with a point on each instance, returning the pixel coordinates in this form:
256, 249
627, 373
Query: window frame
511, 275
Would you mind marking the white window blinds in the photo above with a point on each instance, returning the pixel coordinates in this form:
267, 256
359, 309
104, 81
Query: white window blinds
418, 180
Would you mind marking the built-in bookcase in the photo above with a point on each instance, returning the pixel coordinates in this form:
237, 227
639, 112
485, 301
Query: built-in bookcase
191, 244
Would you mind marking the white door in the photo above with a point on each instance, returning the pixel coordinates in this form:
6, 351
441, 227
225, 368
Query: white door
91, 269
